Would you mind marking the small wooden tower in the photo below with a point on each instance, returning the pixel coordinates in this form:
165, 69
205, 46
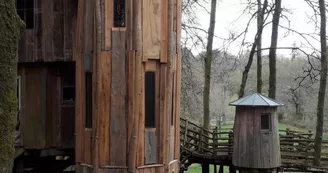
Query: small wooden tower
256, 133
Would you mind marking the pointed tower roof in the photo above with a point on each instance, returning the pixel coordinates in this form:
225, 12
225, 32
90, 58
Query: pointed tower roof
255, 99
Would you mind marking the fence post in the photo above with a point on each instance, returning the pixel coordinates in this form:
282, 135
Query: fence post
200, 140
230, 143
185, 134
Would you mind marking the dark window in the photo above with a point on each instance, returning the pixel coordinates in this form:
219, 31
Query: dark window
265, 122
25, 10
88, 100
172, 108
150, 99
68, 95
119, 13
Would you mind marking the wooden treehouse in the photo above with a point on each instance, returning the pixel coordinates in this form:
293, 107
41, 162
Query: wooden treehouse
99, 86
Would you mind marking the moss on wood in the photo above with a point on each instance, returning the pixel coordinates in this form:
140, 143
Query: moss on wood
11, 28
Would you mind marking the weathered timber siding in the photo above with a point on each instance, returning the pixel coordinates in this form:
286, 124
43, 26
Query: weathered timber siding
252, 147
45, 121
120, 56
51, 39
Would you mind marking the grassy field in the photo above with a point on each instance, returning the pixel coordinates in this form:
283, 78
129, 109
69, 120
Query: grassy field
196, 168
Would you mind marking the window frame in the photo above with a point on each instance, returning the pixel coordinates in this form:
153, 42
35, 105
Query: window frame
269, 129
24, 9
122, 22
67, 102
154, 118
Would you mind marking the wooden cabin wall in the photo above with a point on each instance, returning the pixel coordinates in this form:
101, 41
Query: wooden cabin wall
51, 38
46, 122
251, 144
118, 59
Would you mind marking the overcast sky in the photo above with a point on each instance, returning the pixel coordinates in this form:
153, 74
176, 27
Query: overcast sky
227, 20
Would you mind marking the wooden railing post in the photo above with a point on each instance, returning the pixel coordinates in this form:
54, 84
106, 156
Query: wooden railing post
185, 134
215, 140
200, 140
230, 143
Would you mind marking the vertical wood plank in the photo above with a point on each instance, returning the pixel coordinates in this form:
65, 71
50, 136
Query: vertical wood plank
141, 114
179, 16
109, 6
118, 127
129, 24
131, 94
104, 90
163, 115
80, 87
58, 30
88, 147
58, 110
177, 110
47, 27
89, 36
151, 26
164, 31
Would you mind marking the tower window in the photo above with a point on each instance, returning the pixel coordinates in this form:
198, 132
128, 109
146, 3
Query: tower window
119, 13
25, 10
150, 99
68, 95
88, 100
266, 122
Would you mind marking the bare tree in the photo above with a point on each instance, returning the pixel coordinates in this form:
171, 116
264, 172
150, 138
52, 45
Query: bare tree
253, 50
272, 52
260, 23
322, 87
208, 65
11, 28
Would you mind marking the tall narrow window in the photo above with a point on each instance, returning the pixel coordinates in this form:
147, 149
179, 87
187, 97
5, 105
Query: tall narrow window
266, 122
172, 108
88, 100
25, 10
150, 99
119, 13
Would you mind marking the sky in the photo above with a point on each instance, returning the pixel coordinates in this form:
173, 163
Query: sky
229, 18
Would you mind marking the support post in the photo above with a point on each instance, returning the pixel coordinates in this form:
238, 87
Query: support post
205, 168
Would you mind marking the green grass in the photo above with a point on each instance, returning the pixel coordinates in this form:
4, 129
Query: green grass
196, 168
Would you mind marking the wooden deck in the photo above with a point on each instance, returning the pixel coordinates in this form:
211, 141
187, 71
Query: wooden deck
215, 147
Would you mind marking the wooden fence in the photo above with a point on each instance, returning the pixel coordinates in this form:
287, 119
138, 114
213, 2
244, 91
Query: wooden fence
297, 148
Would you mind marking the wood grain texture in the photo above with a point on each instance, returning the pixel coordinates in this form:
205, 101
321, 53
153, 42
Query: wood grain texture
118, 125
164, 31
108, 20
104, 90
51, 39
151, 25
251, 144
33, 117
151, 146
178, 102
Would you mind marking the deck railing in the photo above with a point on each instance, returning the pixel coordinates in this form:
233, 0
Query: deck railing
297, 148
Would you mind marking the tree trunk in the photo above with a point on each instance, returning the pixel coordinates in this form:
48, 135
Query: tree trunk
251, 55
273, 47
208, 66
11, 28
322, 88
260, 20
